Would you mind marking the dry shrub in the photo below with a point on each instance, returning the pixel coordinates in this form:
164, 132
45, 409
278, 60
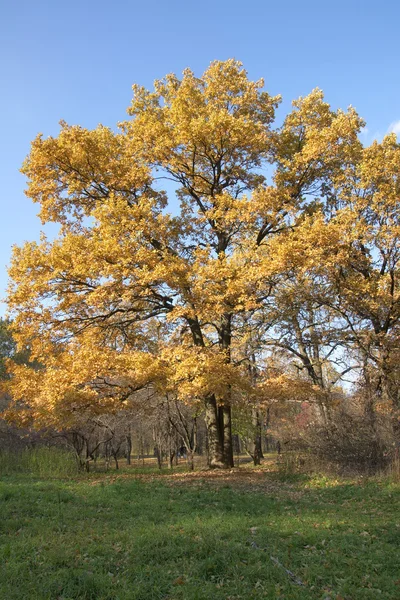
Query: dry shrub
351, 442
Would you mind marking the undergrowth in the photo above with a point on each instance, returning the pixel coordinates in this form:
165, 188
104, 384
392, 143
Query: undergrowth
42, 462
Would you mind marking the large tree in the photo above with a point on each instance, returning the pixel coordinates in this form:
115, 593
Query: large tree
136, 292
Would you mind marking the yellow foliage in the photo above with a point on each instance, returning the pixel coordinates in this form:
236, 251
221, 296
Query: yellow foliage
129, 295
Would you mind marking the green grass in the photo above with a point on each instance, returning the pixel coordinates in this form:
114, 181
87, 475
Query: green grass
102, 537
43, 462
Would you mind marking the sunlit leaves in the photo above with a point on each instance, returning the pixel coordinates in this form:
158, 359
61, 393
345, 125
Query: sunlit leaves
130, 296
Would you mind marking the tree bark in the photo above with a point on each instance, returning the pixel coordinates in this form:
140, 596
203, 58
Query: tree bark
190, 459
214, 433
257, 442
227, 436
218, 418
128, 448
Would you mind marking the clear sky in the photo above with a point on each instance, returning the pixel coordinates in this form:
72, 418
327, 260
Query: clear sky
77, 60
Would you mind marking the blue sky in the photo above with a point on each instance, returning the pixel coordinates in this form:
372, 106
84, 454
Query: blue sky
77, 61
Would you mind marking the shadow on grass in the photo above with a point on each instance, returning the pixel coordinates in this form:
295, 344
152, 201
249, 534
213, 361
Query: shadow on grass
128, 539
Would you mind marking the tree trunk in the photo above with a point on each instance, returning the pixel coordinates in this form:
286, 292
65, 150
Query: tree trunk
128, 448
214, 434
107, 456
227, 436
257, 453
266, 429
115, 456
190, 459
218, 419
158, 454
170, 459
219, 433
87, 465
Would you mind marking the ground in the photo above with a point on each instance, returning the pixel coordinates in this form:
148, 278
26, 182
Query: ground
248, 533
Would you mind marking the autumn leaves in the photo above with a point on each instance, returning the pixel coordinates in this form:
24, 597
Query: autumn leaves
131, 295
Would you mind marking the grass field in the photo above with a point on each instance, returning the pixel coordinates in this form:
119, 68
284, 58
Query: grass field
240, 535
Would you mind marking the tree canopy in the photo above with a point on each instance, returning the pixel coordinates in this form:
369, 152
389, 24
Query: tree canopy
286, 238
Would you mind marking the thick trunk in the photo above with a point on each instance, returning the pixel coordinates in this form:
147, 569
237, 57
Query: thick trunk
219, 433
225, 411
227, 436
159, 457
214, 434
218, 419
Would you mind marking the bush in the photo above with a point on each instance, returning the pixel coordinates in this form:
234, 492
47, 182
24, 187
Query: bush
350, 442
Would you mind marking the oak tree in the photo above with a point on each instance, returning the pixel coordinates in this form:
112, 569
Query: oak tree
135, 292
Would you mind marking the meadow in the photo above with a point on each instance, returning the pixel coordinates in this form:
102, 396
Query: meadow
142, 534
